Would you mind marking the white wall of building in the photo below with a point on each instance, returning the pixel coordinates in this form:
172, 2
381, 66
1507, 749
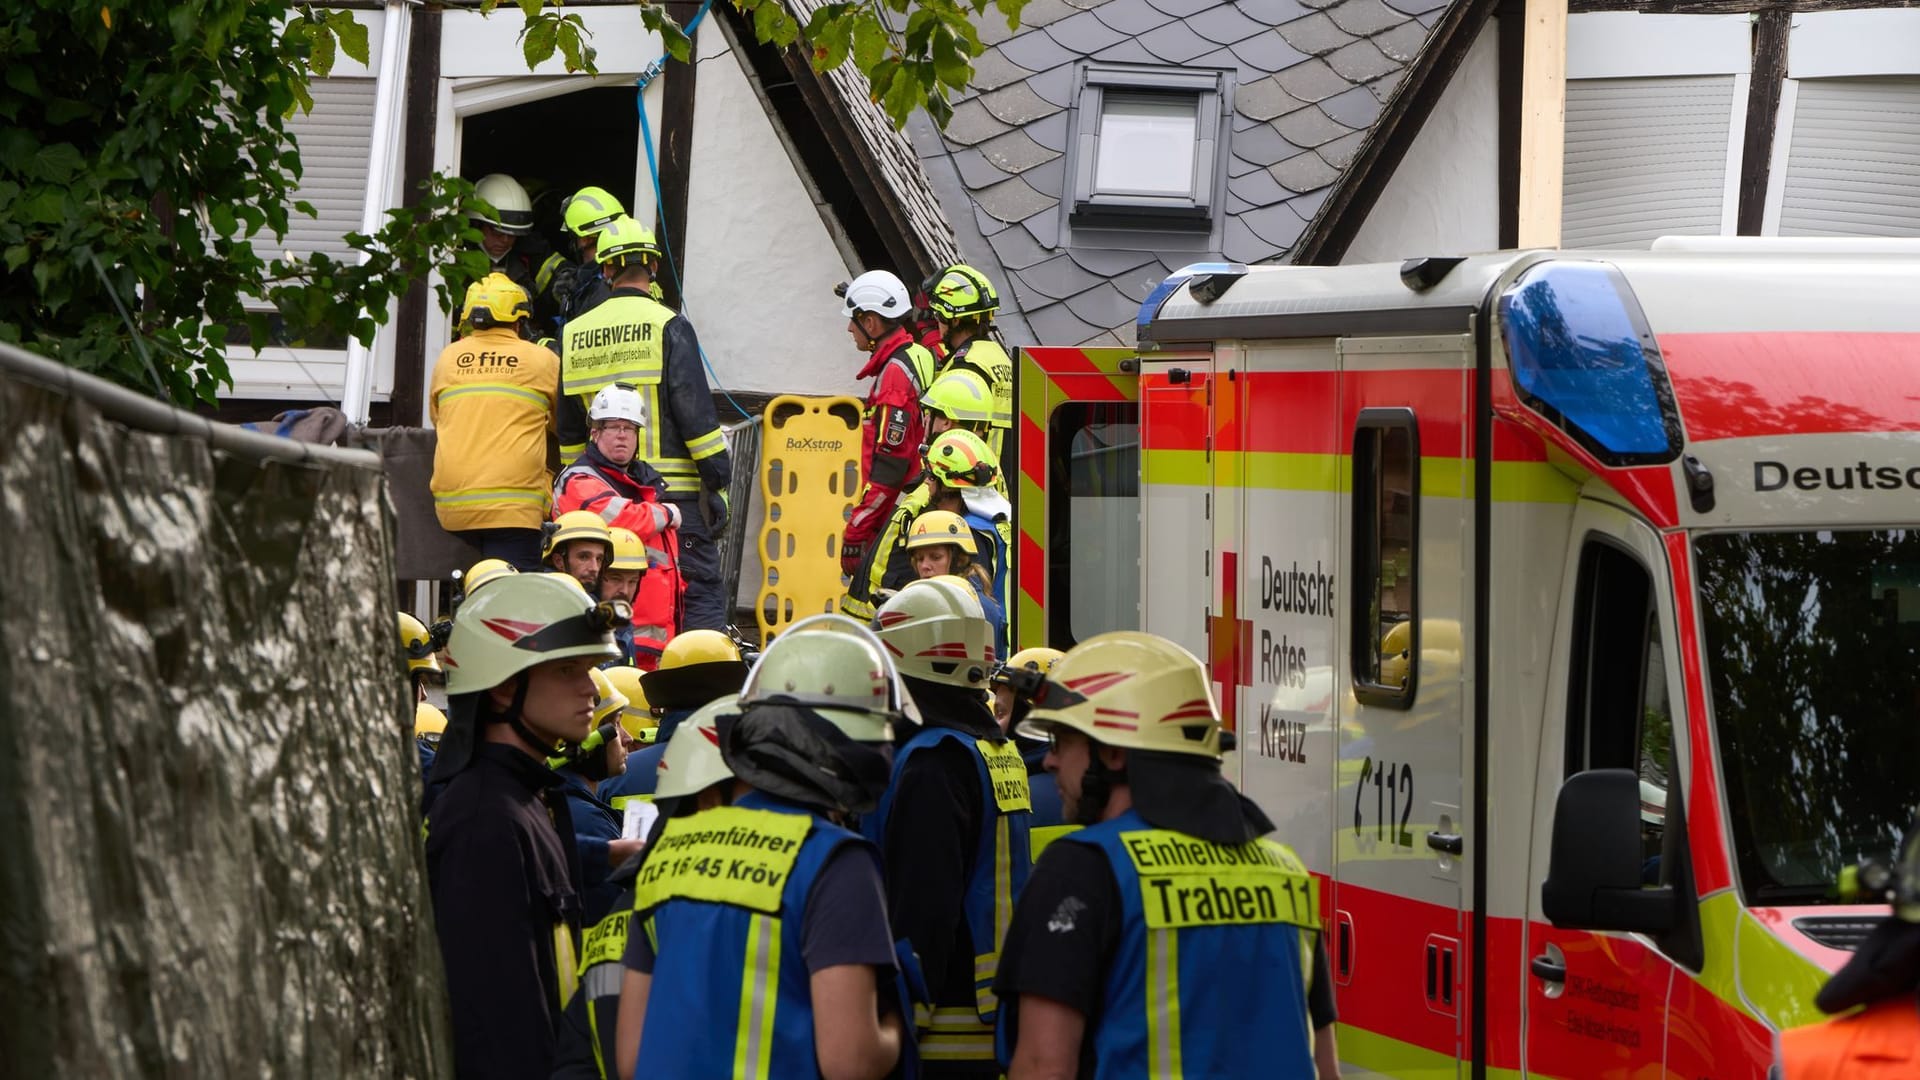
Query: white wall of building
759, 264
1444, 199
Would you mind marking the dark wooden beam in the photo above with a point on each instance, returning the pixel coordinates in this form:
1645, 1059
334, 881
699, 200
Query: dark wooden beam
1354, 194
1729, 7
1512, 19
410, 346
675, 134
1771, 30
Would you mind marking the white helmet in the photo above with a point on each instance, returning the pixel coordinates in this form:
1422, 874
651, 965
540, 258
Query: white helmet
879, 292
837, 668
618, 402
936, 630
692, 762
512, 210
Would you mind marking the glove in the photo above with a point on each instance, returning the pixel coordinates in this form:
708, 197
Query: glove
566, 279
851, 556
719, 511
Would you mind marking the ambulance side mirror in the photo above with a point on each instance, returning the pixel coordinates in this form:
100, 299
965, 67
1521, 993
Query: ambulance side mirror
1594, 868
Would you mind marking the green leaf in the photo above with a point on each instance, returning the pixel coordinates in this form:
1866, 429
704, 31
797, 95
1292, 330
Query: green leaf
1011, 9
579, 55
48, 206
17, 256
221, 215
21, 77
902, 96
321, 58
674, 37
537, 41
57, 163
352, 35
869, 41
531, 8
952, 67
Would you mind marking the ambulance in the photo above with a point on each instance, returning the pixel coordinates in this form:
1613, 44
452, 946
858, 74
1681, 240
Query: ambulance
1565, 606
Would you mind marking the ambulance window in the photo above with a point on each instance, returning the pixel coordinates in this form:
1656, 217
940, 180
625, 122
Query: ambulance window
1093, 520
1619, 715
1386, 531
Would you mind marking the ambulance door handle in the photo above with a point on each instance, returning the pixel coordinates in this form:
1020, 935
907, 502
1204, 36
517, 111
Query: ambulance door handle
1449, 843
1545, 967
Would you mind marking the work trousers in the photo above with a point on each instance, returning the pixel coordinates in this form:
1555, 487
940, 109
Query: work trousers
705, 605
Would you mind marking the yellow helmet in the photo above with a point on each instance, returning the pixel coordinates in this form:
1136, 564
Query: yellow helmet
624, 240
1129, 689
590, 210
960, 291
692, 761
934, 527
428, 722
418, 642
484, 571
1037, 662
494, 300
607, 701
578, 525
961, 459
637, 716
936, 630
960, 395
695, 667
628, 552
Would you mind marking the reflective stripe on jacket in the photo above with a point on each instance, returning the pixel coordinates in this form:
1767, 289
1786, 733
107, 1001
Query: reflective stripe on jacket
596, 484
492, 401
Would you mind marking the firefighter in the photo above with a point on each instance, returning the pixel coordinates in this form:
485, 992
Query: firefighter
696, 667
620, 580
962, 470
632, 338
1103, 974
876, 306
580, 286
960, 398
693, 777
1881, 981
499, 838
492, 406
953, 825
585, 766
422, 666
785, 967
428, 725
939, 543
636, 716
1014, 683
610, 479
964, 301
579, 547
514, 248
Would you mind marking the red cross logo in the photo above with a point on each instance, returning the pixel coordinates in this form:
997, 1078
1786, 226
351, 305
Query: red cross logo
1230, 642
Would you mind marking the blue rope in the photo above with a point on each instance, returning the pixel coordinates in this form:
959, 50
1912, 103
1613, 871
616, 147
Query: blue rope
647, 75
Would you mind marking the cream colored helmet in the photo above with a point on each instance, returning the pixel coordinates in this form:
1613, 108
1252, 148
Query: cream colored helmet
692, 761
936, 630
522, 620
1132, 690
837, 668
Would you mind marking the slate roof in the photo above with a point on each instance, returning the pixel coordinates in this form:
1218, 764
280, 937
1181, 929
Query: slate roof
1310, 76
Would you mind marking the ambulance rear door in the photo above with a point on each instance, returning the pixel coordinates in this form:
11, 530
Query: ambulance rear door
1076, 495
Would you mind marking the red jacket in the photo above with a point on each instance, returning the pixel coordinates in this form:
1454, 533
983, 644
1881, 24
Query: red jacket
1882, 1040
890, 442
625, 499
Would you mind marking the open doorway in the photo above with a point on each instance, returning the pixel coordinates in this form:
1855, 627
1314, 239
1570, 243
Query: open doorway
556, 146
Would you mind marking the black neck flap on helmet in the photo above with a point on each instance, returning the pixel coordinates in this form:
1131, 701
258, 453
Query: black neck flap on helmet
794, 753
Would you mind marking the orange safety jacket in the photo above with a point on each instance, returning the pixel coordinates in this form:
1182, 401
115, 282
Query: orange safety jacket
1882, 1042
629, 498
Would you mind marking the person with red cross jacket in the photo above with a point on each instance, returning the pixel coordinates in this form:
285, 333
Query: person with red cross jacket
878, 310
608, 479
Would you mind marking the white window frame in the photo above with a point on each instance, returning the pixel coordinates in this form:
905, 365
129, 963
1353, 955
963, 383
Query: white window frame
1095, 208
1835, 45
1632, 45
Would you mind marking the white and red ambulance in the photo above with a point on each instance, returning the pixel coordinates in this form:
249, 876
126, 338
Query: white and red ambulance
1566, 606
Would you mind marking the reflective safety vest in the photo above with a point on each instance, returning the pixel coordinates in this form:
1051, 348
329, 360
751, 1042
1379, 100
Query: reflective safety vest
1881, 1042
986, 358
721, 897
624, 340
1217, 941
998, 869
601, 975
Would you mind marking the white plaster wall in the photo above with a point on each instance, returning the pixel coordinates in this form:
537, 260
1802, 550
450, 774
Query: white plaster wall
1445, 197
758, 264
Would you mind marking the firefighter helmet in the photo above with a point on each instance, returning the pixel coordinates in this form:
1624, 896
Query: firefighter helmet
590, 210
879, 292
625, 240
937, 631
521, 621
960, 291
578, 525
1038, 660
934, 527
428, 723
961, 459
512, 209
621, 401
961, 396
629, 552
1129, 689
495, 300
484, 571
692, 761
695, 667
607, 699
836, 668
418, 642
637, 717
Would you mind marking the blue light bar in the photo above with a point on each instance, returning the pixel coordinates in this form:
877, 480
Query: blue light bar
1150, 307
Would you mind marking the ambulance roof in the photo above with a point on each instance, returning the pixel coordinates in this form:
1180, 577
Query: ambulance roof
1686, 285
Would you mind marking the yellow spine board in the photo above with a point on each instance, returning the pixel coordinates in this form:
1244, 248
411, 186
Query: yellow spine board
809, 477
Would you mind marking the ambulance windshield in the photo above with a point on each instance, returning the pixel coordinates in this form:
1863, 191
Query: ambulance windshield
1812, 650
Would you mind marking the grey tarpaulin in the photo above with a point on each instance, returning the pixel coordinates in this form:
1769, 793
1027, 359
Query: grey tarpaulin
422, 550
208, 788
